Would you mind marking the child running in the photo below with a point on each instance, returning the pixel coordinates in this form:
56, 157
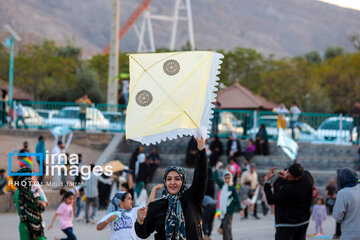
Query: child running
66, 213
121, 217
228, 201
319, 215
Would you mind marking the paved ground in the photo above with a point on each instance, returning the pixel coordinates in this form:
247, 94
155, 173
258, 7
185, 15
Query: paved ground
12, 143
242, 230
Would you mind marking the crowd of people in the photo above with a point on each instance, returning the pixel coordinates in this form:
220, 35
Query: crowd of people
189, 212
233, 151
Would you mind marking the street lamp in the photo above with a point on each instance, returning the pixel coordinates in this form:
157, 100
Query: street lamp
9, 42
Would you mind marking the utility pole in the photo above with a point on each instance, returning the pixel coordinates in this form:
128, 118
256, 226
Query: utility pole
112, 92
10, 44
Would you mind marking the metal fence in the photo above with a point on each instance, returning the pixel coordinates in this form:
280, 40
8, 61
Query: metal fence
307, 127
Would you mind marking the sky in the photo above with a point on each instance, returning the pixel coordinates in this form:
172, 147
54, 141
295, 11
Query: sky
354, 4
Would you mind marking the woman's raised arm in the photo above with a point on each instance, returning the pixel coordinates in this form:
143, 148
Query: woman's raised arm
198, 185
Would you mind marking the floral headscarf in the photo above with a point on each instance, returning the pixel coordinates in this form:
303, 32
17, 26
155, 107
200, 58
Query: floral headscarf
174, 220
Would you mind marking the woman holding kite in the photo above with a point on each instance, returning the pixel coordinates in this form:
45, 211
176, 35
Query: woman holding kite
177, 215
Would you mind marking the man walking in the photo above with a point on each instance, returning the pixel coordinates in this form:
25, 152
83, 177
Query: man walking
91, 194
20, 116
292, 199
40, 148
251, 177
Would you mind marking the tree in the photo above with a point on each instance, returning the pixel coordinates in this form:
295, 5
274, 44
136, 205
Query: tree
4, 63
313, 57
332, 52
87, 82
100, 63
186, 46
355, 39
40, 71
241, 65
70, 51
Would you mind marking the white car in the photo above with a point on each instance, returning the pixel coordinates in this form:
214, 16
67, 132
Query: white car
117, 120
32, 118
70, 116
47, 114
336, 129
302, 131
229, 124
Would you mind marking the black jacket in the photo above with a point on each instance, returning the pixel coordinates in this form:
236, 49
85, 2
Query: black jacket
292, 200
190, 202
238, 147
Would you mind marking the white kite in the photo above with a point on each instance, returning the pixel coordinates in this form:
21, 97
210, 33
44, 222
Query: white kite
171, 95
287, 144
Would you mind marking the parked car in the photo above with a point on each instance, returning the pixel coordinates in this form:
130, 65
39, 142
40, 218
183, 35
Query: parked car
70, 116
302, 130
47, 114
32, 118
336, 129
229, 123
116, 119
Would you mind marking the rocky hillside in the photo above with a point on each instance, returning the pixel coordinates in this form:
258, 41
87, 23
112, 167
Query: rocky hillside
282, 27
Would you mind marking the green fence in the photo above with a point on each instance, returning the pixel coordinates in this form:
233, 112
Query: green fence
306, 127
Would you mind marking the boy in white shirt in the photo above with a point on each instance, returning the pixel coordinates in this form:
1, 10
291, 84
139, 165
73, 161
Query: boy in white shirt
121, 221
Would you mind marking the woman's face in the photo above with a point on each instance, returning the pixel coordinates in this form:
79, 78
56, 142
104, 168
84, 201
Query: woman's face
127, 204
227, 179
173, 182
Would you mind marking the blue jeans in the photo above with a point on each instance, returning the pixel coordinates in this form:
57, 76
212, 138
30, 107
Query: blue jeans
78, 205
292, 125
69, 234
87, 207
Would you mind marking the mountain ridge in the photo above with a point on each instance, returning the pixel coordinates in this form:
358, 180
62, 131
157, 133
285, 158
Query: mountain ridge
279, 27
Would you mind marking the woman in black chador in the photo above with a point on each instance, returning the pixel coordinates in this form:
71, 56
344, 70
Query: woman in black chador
177, 215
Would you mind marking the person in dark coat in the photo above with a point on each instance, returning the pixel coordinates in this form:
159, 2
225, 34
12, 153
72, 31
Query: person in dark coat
209, 205
177, 215
292, 199
261, 142
233, 146
191, 152
133, 159
217, 149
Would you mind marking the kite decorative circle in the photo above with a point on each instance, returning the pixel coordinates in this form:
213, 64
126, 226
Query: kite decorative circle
171, 67
144, 98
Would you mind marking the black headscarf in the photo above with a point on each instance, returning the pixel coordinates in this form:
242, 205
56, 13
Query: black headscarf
346, 177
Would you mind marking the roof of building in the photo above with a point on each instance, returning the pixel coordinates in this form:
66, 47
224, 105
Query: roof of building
239, 97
